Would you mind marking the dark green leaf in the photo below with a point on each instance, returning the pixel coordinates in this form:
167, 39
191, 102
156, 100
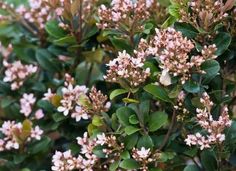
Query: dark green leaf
157, 120
121, 44
208, 160
129, 164
131, 129
146, 142
211, 67
222, 42
186, 29
54, 30
157, 92
123, 115
41, 145
131, 141
46, 61
191, 87
133, 119
114, 166
125, 155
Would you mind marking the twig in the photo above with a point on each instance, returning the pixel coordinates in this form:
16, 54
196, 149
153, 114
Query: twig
173, 120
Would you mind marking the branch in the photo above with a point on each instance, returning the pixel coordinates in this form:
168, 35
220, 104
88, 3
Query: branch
173, 121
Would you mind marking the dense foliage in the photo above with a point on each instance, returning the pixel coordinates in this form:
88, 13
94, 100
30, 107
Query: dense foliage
117, 85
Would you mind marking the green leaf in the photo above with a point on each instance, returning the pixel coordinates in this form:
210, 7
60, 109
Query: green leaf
191, 87
45, 105
125, 155
123, 115
165, 156
222, 42
147, 28
19, 158
174, 11
57, 117
157, 120
7, 101
129, 164
39, 146
131, 129
46, 61
208, 160
97, 121
144, 108
94, 56
128, 100
211, 67
133, 119
117, 92
157, 92
130, 141
113, 166
196, 102
25, 169
186, 29
54, 30
175, 92
121, 44
168, 22
191, 168
67, 40
155, 169
146, 142
98, 151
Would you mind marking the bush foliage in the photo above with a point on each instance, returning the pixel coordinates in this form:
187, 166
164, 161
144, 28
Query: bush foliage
117, 85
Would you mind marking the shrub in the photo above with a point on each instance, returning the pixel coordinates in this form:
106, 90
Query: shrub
117, 85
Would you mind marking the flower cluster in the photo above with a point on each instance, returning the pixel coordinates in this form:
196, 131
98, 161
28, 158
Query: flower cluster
111, 147
76, 102
182, 111
125, 12
205, 14
64, 161
214, 128
172, 49
38, 13
144, 156
14, 134
26, 103
127, 69
85, 160
66, 10
16, 73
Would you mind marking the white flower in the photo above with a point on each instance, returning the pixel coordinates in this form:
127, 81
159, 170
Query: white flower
64, 110
48, 95
165, 78
36, 133
143, 153
101, 139
79, 113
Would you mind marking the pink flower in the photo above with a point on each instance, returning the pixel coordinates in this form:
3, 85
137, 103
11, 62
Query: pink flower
39, 114
79, 114
26, 103
48, 95
36, 133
